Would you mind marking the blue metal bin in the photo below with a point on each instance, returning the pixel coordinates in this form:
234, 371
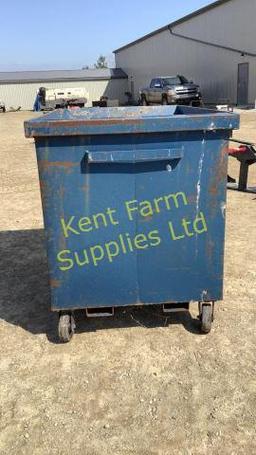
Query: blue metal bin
134, 207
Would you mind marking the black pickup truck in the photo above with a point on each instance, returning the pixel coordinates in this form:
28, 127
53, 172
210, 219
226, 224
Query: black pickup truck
171, 90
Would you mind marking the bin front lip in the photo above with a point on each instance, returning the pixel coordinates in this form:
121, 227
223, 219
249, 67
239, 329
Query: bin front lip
130, 121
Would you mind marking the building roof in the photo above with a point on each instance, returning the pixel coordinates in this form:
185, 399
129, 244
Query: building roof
173, 24
15, 77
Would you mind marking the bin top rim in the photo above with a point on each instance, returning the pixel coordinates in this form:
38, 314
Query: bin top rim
131, 119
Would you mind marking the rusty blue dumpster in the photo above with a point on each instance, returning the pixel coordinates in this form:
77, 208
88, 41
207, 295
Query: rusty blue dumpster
134, 207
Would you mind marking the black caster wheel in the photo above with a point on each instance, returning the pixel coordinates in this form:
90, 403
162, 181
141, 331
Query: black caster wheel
66, 327
206, 316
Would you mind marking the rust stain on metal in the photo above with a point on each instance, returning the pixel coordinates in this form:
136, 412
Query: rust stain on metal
146, 219
85, 188
45, 164
43, 188
113, 122
210, 250
43, 185
55, 283
219, 173
192, 198
91, 122
213, 190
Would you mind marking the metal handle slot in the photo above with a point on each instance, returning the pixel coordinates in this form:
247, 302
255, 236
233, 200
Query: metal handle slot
133, 156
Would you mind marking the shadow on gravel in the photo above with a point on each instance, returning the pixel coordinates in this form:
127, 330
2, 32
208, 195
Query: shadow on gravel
24, 288
25, 293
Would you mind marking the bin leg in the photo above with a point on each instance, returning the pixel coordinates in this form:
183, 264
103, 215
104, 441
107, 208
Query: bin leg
243, 176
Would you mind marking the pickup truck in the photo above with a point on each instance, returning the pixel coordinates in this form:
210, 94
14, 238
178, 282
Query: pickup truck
171, 90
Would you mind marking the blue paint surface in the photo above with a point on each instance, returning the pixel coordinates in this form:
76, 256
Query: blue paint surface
84, 175
121, 120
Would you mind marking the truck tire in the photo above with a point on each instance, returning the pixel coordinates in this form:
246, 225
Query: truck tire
164, 101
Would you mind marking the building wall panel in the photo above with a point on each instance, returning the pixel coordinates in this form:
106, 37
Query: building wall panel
231, 24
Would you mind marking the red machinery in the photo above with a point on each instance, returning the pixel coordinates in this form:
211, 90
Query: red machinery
245, 153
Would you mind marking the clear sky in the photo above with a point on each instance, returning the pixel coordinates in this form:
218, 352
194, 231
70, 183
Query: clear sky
68, 34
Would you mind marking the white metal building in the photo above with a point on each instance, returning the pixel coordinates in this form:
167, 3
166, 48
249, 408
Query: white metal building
20, 88
214, 46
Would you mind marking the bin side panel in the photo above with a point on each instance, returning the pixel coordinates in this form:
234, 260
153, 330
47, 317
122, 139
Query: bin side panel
125, 231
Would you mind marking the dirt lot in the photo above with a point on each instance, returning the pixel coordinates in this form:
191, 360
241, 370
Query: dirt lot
135, 384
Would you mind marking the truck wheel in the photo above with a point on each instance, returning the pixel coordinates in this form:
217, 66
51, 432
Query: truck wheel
66, 327
164, 101
143, 101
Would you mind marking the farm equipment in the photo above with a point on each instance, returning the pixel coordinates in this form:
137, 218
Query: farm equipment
51, 98
245, 153
2, 106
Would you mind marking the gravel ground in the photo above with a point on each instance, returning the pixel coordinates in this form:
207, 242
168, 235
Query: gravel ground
138, 383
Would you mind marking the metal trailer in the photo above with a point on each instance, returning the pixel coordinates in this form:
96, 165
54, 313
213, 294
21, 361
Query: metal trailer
134, 207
